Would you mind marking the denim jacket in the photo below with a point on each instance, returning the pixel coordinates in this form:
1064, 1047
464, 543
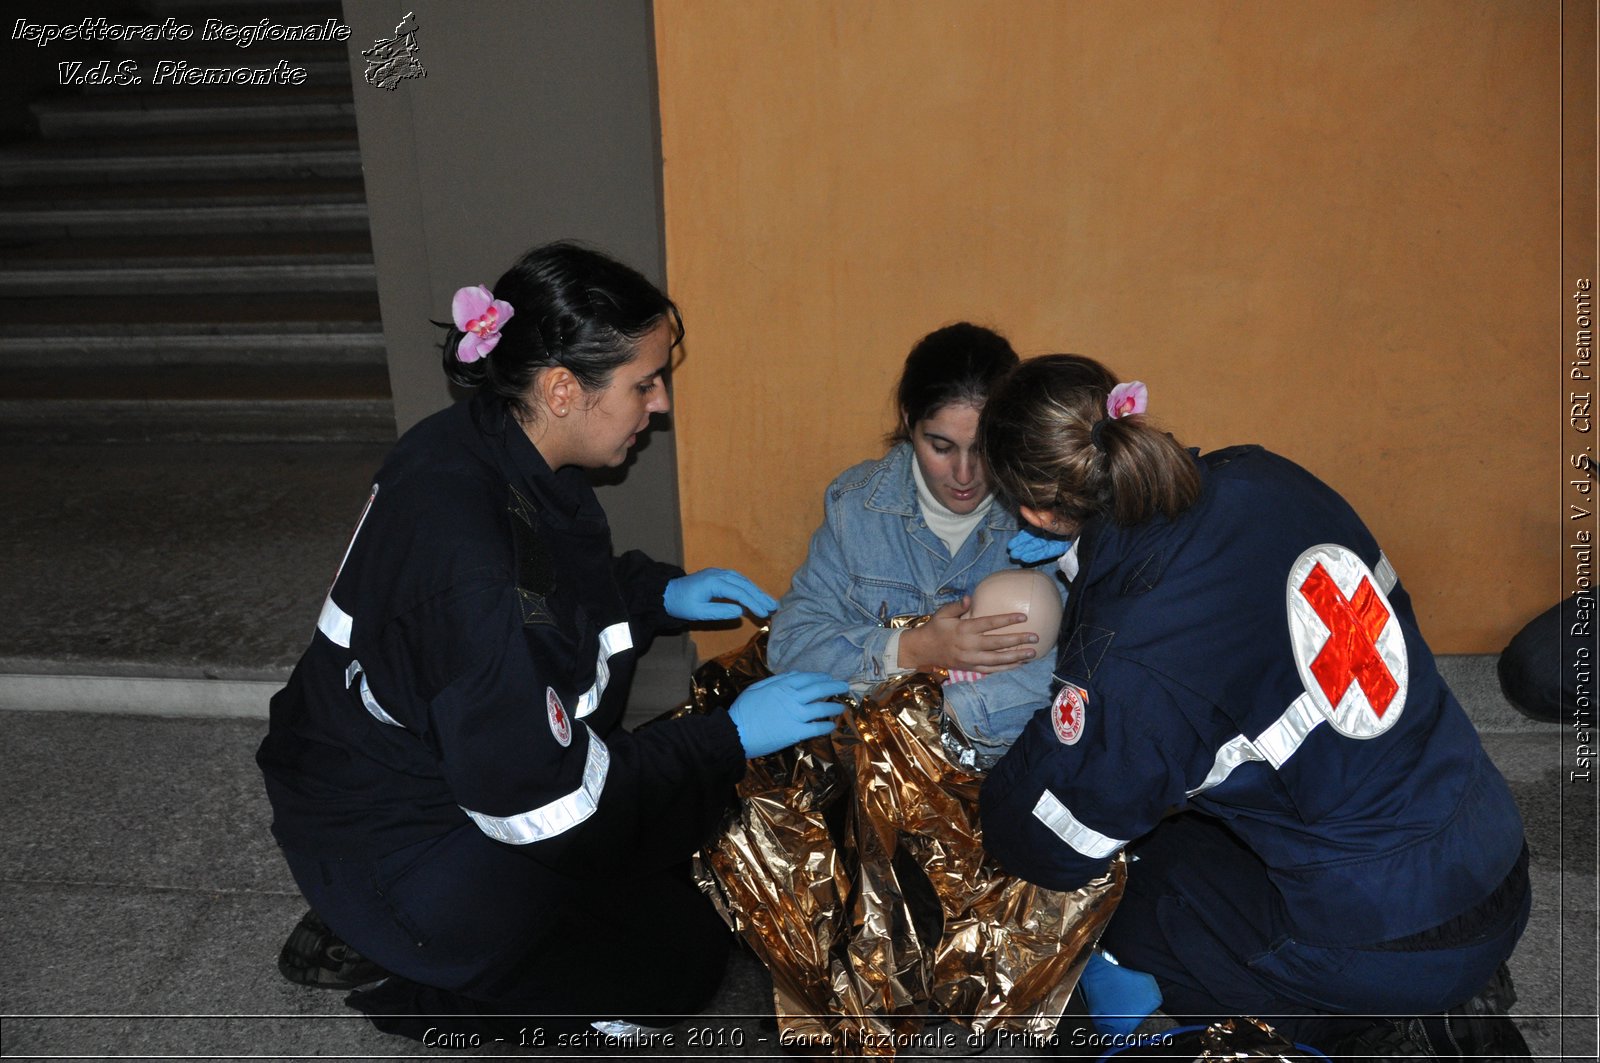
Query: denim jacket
874, 557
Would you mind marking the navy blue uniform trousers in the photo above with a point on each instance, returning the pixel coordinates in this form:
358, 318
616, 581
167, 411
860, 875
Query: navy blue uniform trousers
1200, 914
469, 926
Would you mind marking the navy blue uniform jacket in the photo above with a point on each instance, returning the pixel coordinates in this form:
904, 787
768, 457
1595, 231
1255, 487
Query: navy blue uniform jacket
1257, 660
471, 663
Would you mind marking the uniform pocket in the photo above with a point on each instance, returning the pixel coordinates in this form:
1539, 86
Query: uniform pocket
878, 600
397, 880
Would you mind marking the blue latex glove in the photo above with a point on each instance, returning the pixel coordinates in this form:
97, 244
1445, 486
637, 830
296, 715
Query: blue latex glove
1118, 998
776, 713
692, 597
1029, 547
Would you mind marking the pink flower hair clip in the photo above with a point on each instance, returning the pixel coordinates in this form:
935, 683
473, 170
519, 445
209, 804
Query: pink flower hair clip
479, 316
1132, 397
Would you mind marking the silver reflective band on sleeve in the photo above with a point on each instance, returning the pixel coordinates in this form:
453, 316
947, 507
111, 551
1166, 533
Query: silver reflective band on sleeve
1280, 741
1064, 825
1275, 745
1385, 574
334, 623
1238, 750
559, 815
367, 699
613, 640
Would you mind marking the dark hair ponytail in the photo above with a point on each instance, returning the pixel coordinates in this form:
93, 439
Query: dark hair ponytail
1051, 445
572, 307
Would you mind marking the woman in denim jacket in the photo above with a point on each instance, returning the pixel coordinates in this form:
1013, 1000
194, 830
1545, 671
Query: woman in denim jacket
914, 532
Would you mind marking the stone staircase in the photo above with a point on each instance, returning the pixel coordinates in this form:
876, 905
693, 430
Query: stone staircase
193, 388
187, 264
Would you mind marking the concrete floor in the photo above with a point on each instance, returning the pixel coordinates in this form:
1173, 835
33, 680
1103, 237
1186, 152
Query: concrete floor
142, 901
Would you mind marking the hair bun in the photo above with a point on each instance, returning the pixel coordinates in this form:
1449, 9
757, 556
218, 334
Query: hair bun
465, 374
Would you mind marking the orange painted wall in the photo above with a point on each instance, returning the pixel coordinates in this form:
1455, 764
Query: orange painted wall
1331, 228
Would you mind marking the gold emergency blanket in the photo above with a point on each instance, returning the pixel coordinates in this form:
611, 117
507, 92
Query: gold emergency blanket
1231, 1039
854, 868
1245, 1038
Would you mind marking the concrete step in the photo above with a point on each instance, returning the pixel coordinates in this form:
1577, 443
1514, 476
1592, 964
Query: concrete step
94, 347
189, 262
210, 421
183, 217
226, 310
287, 12
146, 97
115, 117
193, 144
227, 192
189, 382
199, 276
44, 252
17, 168
319, 72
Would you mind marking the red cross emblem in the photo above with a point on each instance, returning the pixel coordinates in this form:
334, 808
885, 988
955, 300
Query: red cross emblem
1351, 653
560, 726
1351, 658
1067, 714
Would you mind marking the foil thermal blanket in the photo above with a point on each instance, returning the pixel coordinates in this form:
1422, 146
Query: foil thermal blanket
854, 867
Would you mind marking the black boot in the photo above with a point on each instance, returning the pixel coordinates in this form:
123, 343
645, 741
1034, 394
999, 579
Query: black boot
315, 956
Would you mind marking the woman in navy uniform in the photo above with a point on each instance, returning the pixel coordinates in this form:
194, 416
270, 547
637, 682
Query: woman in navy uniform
450, 784
1243, 698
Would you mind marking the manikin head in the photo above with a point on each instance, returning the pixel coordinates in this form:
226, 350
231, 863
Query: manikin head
1021, 590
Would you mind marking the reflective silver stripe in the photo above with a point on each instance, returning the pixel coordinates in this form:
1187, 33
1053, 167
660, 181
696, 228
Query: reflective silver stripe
1280, 741
1385, 574
559, 815
367, 699
613, 640
334, 623
1275, 745
351, 545
1091, 843
1236, 751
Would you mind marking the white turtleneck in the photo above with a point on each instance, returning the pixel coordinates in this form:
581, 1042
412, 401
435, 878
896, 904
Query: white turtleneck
951, 527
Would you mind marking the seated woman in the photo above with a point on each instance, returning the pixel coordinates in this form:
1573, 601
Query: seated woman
918, 532
914, 532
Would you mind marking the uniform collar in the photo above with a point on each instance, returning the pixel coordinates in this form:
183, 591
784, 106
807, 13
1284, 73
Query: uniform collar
563, 497
1104, 547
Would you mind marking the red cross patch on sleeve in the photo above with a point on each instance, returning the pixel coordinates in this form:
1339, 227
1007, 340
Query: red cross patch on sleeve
1348, 646
1067, 713
560, 725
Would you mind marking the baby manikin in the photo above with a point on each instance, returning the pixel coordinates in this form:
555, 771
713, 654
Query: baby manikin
1021, 590
1011, 590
